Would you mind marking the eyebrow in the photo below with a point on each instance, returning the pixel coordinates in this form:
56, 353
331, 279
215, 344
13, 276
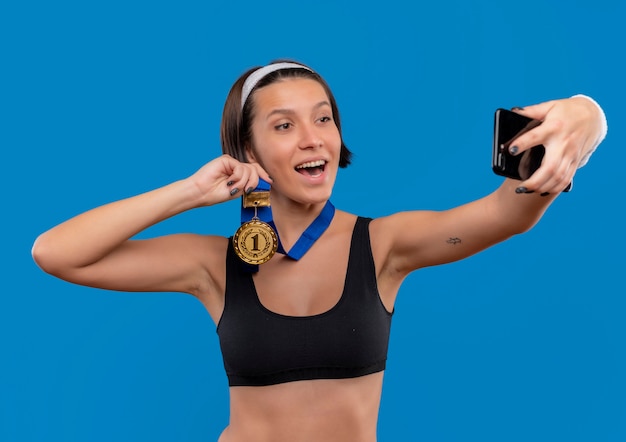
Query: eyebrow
291, 111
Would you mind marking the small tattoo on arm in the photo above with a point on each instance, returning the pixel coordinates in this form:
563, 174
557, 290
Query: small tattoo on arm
454, 241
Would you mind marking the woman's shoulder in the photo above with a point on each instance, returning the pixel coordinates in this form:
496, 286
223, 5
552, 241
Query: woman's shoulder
344, 221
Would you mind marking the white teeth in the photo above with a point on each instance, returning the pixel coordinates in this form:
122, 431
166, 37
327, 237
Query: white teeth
317, 163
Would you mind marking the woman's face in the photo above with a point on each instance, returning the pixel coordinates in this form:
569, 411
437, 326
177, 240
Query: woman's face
295, 139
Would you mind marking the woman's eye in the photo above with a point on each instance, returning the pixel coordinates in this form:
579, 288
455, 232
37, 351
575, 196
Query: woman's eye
283, 126
325, 119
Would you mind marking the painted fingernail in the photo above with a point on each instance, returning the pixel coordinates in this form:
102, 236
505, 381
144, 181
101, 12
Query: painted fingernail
513, 150
521, 190
514, 108
249, 190
545, 194
234, 191
230, 183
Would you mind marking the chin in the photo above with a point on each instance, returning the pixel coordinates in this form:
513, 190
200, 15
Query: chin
320, 196
311, 196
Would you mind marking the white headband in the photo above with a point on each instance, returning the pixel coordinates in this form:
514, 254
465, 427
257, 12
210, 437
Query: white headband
257, 75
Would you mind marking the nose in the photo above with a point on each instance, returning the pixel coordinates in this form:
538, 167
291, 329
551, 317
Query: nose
309, 137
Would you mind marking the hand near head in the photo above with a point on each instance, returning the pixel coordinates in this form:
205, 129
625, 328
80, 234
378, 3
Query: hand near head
225, 178
570, 129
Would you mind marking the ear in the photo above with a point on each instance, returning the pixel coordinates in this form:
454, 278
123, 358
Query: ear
250, 157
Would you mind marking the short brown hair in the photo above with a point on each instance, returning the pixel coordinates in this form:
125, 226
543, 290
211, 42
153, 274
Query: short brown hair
236, 128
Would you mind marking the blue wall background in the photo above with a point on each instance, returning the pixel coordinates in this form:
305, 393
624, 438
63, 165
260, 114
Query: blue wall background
103, 100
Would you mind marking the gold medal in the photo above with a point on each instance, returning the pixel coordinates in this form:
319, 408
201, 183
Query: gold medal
255, 242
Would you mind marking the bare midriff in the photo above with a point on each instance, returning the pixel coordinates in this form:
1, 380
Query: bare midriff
329, 410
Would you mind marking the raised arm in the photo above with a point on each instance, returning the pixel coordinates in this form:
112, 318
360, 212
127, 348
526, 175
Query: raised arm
571, 130
95, 247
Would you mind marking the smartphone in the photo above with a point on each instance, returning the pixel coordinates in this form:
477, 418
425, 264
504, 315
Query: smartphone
508, 126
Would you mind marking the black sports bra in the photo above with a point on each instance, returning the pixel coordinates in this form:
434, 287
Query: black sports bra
351, 339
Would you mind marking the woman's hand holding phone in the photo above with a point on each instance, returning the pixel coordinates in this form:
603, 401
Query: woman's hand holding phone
506, 160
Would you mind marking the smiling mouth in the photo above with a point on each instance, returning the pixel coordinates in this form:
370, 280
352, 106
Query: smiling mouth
312, 168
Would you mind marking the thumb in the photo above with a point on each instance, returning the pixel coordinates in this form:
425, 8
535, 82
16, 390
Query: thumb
262, 173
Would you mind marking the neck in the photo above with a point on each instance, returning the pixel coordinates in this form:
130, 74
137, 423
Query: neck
292, 218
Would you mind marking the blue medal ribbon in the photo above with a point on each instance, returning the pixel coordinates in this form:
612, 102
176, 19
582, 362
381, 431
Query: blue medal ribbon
308, 237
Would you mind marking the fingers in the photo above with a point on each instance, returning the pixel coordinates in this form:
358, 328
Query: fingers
225, 178
563, 138
553, 177
244, 177
537, 111
558, 165
528, 140
554, 164
541, 132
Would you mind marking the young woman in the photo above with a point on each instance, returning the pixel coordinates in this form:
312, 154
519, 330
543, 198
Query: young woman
303, 335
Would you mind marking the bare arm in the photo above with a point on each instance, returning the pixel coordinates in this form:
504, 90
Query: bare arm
410, 240
419, 239
95, 249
